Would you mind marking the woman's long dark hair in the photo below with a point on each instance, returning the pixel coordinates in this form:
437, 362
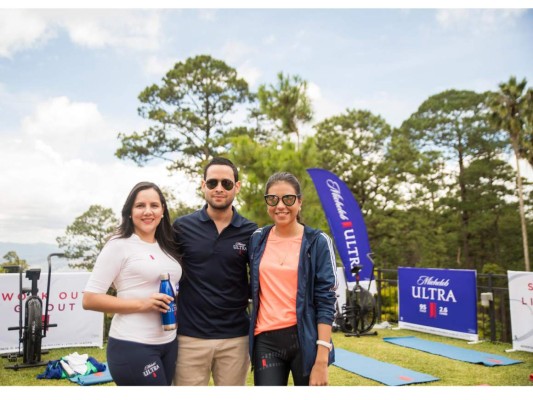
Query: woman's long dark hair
163, 232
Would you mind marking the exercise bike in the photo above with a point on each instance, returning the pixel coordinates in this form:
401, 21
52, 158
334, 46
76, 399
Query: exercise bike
358, 315
36, 323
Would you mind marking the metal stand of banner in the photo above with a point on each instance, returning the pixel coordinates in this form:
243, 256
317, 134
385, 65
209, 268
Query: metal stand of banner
373, 333
487, 303
35, 325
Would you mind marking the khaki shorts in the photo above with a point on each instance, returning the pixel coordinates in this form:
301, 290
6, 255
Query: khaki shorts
227, 359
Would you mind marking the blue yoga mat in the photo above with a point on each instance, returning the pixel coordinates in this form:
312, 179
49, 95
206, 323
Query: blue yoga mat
388, 374
94, 378
453, 352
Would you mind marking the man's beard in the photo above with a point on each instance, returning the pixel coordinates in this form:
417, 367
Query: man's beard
220, 207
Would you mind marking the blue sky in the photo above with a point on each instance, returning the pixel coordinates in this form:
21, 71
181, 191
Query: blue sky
69, 81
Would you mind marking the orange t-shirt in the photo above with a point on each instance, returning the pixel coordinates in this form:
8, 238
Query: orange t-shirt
278, 282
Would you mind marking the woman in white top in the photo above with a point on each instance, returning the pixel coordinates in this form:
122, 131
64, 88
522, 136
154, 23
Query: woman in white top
139, 351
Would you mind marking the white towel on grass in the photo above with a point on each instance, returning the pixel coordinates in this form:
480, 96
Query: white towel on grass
78, 362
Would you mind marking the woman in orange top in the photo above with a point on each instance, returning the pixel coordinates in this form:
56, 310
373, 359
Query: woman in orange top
293, 281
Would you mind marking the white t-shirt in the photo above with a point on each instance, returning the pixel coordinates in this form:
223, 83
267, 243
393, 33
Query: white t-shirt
134, 267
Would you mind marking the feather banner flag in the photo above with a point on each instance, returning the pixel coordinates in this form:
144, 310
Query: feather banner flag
345, 221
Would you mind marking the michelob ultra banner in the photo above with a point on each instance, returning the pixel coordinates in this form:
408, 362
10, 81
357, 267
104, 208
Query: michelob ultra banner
521, 304
438, 301
345, 221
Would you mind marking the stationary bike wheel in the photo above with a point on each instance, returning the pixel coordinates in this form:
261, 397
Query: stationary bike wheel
367, 310
350, 313
339, 322
33, 331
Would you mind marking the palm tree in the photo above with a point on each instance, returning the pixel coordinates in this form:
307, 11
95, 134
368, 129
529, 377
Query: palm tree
511, 109
527, 147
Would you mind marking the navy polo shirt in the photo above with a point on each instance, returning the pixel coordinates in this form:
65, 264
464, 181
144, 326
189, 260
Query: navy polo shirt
214, 289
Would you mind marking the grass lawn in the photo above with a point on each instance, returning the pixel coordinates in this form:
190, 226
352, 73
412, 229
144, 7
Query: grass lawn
449, 372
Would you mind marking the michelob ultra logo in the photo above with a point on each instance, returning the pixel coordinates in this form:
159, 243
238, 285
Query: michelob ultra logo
345, 221
430, 288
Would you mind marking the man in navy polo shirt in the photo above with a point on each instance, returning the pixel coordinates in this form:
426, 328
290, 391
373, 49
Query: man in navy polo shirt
213, 297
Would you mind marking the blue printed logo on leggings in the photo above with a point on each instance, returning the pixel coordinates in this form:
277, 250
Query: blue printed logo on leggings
150, 370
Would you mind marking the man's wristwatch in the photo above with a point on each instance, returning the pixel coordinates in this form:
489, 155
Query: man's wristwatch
325, 344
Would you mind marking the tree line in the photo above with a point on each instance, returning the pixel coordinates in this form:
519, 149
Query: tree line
436, 191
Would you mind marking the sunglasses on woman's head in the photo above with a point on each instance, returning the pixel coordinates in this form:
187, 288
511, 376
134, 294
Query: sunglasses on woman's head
288, 199
213, 183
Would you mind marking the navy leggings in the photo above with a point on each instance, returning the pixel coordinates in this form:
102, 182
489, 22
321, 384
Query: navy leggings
137, 364
276, 353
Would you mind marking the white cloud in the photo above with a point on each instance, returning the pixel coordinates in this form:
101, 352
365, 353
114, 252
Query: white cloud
68, 129
313, 91
139, 30
322, 107
269, 40
326, 107
157, 66
50, 193
49, 180
526, 170
235, 51
240, 54
477, 21
22, 29
393, 109
15, 103
207, 15
249, 73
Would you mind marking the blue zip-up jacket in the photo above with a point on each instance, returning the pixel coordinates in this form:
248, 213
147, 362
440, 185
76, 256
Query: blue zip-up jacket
317, 282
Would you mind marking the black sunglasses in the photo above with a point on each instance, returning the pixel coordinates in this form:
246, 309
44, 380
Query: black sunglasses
213, 183
288, 199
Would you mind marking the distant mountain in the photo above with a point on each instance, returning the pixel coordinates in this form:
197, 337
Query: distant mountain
35, 254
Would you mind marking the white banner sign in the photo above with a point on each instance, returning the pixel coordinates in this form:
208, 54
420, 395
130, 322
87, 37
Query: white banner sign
521, 304
76, 327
